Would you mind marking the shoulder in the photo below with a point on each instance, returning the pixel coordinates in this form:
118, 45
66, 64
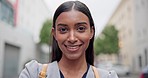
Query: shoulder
107, 74
33, 64
31, 70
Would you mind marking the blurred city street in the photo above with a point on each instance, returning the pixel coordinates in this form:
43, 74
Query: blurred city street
21, 23
131, 76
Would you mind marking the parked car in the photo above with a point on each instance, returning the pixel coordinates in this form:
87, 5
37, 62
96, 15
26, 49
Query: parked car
144, 73
121, 70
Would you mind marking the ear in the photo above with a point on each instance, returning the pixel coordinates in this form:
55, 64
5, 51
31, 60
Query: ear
92, 32
53, 32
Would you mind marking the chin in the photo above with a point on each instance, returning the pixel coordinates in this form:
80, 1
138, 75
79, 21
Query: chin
73, 57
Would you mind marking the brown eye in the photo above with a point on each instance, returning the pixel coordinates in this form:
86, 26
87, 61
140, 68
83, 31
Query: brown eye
63, 30
81, 28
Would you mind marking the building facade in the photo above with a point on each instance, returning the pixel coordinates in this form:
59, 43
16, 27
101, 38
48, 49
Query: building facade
17, 45
130, 19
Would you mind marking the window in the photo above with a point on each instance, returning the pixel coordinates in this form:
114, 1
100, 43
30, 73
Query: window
144, 31
139, 34
130, 32
146, 57
11, 61
6, 12
129, 8
142, 2
140, 61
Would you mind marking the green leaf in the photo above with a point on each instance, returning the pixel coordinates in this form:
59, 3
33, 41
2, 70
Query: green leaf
107, 42
45, 33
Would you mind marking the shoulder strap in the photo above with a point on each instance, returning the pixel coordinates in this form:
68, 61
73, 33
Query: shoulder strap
95, 72
43, 71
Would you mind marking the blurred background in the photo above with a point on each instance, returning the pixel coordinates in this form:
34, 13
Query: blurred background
121, 38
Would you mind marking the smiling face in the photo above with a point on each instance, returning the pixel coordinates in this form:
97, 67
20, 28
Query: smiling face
73, 33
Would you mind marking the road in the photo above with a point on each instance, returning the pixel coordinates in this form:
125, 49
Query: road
131, 76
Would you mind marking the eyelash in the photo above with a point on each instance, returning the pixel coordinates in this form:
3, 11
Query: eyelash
81, 28
65, 30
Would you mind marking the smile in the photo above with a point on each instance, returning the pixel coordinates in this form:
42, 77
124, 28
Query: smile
73, 48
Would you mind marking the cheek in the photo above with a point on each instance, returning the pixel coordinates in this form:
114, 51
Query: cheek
60, 38
85, 38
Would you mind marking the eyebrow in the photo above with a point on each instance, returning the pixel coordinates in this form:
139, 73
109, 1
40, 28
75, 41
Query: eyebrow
62, 24
79, 23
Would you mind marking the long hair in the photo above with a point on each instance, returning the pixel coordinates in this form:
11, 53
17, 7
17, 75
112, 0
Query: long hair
81, 7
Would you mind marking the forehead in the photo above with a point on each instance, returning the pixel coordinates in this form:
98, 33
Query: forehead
72, 16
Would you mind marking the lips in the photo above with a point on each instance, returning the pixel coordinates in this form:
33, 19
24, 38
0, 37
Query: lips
73, 48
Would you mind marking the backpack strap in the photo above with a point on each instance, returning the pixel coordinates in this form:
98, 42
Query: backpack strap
42, 74
95, 72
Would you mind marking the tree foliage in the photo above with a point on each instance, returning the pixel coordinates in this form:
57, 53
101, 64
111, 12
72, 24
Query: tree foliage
107, 42
45, 34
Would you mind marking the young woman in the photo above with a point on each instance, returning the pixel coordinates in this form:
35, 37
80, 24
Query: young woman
72, 49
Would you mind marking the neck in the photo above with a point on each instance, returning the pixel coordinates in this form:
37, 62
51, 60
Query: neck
73, 66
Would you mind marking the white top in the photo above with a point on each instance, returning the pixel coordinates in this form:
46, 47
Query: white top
33, 68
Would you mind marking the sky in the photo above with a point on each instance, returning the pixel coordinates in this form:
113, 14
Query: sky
101, 10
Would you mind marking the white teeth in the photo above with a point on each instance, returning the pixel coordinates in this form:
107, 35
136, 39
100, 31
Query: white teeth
72, 48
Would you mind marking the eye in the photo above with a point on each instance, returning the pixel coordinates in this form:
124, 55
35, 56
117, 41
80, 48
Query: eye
81, 28
63, 30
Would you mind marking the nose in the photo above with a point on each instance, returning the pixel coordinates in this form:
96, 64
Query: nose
72, 37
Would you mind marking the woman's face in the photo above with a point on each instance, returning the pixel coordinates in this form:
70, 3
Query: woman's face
73, 34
